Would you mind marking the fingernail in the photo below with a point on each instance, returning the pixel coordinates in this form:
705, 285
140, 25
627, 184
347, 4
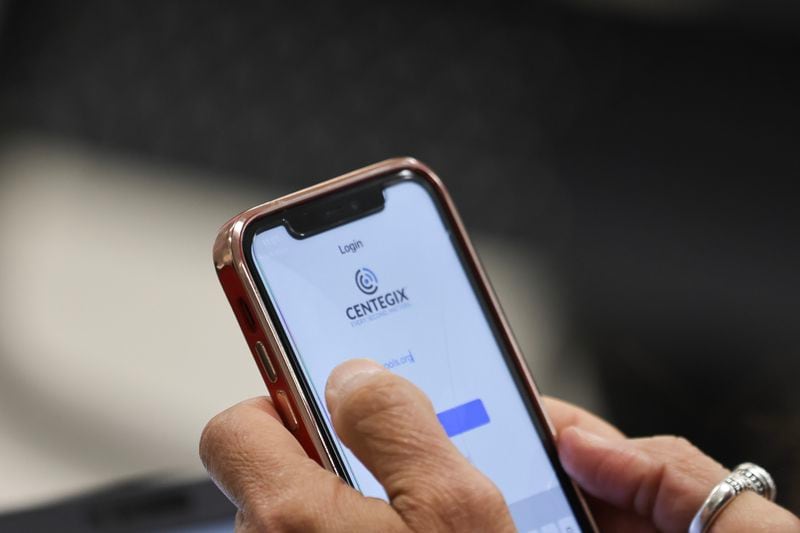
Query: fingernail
573, 444
574, 441
592, 438
346, 376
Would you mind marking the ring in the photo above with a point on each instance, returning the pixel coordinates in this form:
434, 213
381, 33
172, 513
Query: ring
746, 476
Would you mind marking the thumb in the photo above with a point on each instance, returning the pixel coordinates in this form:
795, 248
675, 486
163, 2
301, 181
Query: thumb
664, 478
390, 425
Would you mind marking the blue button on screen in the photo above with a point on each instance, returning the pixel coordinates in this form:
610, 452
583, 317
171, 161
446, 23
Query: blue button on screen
464, 417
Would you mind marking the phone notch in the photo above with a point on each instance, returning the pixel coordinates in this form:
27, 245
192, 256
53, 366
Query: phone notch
306, 220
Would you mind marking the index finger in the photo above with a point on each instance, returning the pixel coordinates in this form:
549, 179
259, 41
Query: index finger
564, 414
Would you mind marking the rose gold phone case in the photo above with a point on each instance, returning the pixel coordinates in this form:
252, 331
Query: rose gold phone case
243, 295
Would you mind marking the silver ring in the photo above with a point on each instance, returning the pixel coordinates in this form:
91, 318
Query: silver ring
746, 476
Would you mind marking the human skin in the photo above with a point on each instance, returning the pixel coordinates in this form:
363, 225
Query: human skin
643, 484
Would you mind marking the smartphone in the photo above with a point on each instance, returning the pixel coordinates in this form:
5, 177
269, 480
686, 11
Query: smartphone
377, 264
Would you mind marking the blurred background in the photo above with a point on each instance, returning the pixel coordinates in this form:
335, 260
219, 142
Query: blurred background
628, 170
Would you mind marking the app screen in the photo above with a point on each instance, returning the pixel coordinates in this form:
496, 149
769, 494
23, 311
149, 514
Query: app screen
390, 287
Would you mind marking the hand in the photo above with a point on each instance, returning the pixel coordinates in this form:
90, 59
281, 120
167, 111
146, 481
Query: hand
653, 483
391, 427
637, 485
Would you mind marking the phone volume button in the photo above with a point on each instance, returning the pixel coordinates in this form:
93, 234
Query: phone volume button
285, 408
266, 361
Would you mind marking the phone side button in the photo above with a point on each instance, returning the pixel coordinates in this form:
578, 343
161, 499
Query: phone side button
285, 408
266, 362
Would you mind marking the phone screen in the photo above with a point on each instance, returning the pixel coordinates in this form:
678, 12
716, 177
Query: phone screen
391, 287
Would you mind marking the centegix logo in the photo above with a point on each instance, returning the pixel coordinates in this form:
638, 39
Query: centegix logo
367, 282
